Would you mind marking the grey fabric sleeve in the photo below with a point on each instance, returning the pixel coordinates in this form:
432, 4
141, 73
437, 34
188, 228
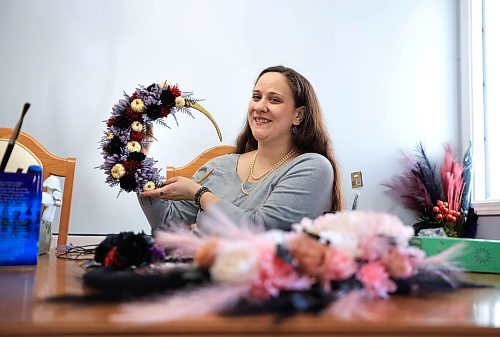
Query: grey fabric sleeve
162, 212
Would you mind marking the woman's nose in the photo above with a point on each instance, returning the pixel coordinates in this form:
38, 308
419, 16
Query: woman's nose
260, 106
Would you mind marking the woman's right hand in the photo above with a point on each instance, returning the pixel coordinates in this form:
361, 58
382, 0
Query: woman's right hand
176, 188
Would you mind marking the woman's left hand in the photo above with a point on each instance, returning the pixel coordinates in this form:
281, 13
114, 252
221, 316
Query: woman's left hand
176, 188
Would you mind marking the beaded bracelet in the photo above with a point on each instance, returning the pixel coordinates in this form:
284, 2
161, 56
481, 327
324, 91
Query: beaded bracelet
198, 194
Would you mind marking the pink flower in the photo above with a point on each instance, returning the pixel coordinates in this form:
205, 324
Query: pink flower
375, 279
275, 275
341, 266
310, 255
398, 263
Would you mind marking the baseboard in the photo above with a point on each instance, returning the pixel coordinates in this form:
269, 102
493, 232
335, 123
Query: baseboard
80, 240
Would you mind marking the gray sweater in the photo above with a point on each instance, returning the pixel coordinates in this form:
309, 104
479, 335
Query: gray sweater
302, 187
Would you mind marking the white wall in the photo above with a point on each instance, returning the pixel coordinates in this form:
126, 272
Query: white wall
385, 72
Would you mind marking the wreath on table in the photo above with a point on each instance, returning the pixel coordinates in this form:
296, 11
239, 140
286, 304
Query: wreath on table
129, 131
331, 264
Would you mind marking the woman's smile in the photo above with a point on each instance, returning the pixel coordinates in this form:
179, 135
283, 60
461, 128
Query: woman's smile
261, 120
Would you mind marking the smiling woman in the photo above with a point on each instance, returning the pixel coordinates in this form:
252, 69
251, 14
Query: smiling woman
283, 170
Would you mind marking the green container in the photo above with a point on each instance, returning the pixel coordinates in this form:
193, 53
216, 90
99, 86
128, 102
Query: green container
478, 255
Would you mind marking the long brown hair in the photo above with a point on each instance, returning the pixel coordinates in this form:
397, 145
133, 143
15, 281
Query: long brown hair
312, 135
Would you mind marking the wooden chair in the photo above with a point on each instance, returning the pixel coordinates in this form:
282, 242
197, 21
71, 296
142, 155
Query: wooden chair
189, 169
52, 165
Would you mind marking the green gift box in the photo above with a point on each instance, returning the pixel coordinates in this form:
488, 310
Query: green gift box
478, 255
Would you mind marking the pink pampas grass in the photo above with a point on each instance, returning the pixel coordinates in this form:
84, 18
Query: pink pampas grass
452, 179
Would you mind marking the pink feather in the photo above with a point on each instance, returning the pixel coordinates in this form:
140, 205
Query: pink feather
194, 303
184, 242
217, 223
444, 258
184, 245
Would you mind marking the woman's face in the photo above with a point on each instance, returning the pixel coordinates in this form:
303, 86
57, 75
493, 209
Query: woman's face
271, 111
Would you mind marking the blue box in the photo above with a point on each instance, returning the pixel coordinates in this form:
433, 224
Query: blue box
20, 207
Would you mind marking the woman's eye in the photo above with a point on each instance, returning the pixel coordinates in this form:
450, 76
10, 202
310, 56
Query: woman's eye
255, 97
275, 100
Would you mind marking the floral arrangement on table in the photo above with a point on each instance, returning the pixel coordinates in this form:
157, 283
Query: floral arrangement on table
128, 249
439, 197
129, 131
318, 265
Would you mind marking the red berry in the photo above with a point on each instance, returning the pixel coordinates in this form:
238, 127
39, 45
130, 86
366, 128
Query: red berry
445, 204
435, 209
439, 202
439, 216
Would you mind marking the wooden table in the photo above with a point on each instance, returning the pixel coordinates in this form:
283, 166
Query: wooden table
470, 312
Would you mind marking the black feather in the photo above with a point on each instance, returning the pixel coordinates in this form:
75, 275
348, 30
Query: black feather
130, 283
434, 280
427, 174
287, 304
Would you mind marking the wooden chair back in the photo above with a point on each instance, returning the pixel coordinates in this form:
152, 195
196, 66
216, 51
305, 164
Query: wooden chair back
52, 165
189, 169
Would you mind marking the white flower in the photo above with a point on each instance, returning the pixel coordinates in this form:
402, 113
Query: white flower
305, 223
118, 171
180, 102
346, 242
109, 135
134, 146
164, 84
149, 186
137, 126
235, 262
138, 105
276, 236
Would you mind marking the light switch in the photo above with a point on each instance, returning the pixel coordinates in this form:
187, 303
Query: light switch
356, 179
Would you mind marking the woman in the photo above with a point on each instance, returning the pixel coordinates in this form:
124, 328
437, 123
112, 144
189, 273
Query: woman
283, 169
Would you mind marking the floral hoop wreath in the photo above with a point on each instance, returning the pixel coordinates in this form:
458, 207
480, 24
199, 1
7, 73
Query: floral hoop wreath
129, 130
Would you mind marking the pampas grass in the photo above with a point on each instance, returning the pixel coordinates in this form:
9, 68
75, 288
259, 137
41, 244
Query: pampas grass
421, 186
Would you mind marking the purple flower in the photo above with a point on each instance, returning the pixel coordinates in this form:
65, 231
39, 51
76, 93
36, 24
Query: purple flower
157, 253
120, 108
151, 95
